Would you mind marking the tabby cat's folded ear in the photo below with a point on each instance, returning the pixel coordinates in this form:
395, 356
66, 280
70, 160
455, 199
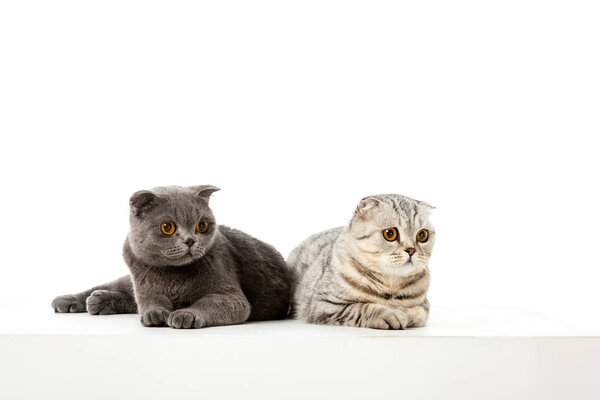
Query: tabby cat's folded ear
141, 200
428, 207
204, 191
365, 205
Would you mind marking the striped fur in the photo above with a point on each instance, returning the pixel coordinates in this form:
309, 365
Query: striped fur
352, 276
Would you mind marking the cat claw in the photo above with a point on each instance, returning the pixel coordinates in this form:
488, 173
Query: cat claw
391, 319
155, 317
67, 304
184, 319
98, 303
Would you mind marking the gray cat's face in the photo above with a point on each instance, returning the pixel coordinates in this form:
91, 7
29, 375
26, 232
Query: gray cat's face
392, 233
171, 226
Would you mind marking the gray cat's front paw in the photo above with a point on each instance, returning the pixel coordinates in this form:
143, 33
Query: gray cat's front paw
186, 319
389, 319
99, 303
68, 304
155, 317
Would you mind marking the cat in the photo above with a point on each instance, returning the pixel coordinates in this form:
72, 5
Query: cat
187, 271
372, 273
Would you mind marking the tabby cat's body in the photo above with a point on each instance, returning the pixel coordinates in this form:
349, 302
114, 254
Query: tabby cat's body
354, 276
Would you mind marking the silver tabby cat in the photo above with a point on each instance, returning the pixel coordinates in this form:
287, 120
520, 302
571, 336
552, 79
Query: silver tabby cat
372, 273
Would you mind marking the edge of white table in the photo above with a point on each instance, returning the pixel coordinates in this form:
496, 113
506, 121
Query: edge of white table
463, 353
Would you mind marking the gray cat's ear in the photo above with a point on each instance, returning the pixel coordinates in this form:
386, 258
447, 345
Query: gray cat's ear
141, 200
204, 191
365, 205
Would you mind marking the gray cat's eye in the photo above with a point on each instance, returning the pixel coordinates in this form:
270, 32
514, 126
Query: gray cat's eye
202, 227
168, 228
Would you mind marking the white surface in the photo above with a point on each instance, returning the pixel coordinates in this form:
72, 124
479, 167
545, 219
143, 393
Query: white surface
465, 353
444, 322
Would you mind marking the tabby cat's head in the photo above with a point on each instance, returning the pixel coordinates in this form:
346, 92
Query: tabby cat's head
392, 233
171, 225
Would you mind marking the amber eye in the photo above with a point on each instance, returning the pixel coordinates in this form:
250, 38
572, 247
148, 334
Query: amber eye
168, 228
202, 227
422, 236
390, 234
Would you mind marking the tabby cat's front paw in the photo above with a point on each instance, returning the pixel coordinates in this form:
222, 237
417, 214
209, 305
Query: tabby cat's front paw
68, 304
389, 319
155, 317
186, 319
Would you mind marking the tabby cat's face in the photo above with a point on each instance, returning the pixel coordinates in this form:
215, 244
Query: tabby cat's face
392, 233
171, 226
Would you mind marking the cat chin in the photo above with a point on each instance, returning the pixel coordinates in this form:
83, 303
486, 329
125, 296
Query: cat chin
404, 269
172, 261
184, 260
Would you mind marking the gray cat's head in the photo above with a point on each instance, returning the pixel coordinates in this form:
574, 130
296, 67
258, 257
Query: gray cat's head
171, 225
392, 233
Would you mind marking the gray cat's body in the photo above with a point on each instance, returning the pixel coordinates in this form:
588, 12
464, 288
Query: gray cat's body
355, 276
198, 275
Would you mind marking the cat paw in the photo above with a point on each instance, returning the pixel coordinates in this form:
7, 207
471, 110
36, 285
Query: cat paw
68, 304
185, 319
99, 303
389, 319
155, 317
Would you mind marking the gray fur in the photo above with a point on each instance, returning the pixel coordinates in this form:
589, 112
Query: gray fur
224, 277
352, 276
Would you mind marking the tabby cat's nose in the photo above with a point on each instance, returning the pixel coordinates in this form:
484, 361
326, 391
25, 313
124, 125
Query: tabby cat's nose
190, 242
410, 251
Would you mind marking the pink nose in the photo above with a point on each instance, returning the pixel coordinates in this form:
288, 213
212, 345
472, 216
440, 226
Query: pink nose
410, 251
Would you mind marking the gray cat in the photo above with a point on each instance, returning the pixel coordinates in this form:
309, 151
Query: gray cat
373, 273
187, 271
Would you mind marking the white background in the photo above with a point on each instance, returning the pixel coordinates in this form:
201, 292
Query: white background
488, 110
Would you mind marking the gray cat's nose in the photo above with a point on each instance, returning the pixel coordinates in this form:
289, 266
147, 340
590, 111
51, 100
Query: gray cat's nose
190, 242
410, 251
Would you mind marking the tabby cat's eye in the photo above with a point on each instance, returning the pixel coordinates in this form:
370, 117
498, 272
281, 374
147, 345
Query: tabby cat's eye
390, 234
422, 236
168, 228
202, 227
